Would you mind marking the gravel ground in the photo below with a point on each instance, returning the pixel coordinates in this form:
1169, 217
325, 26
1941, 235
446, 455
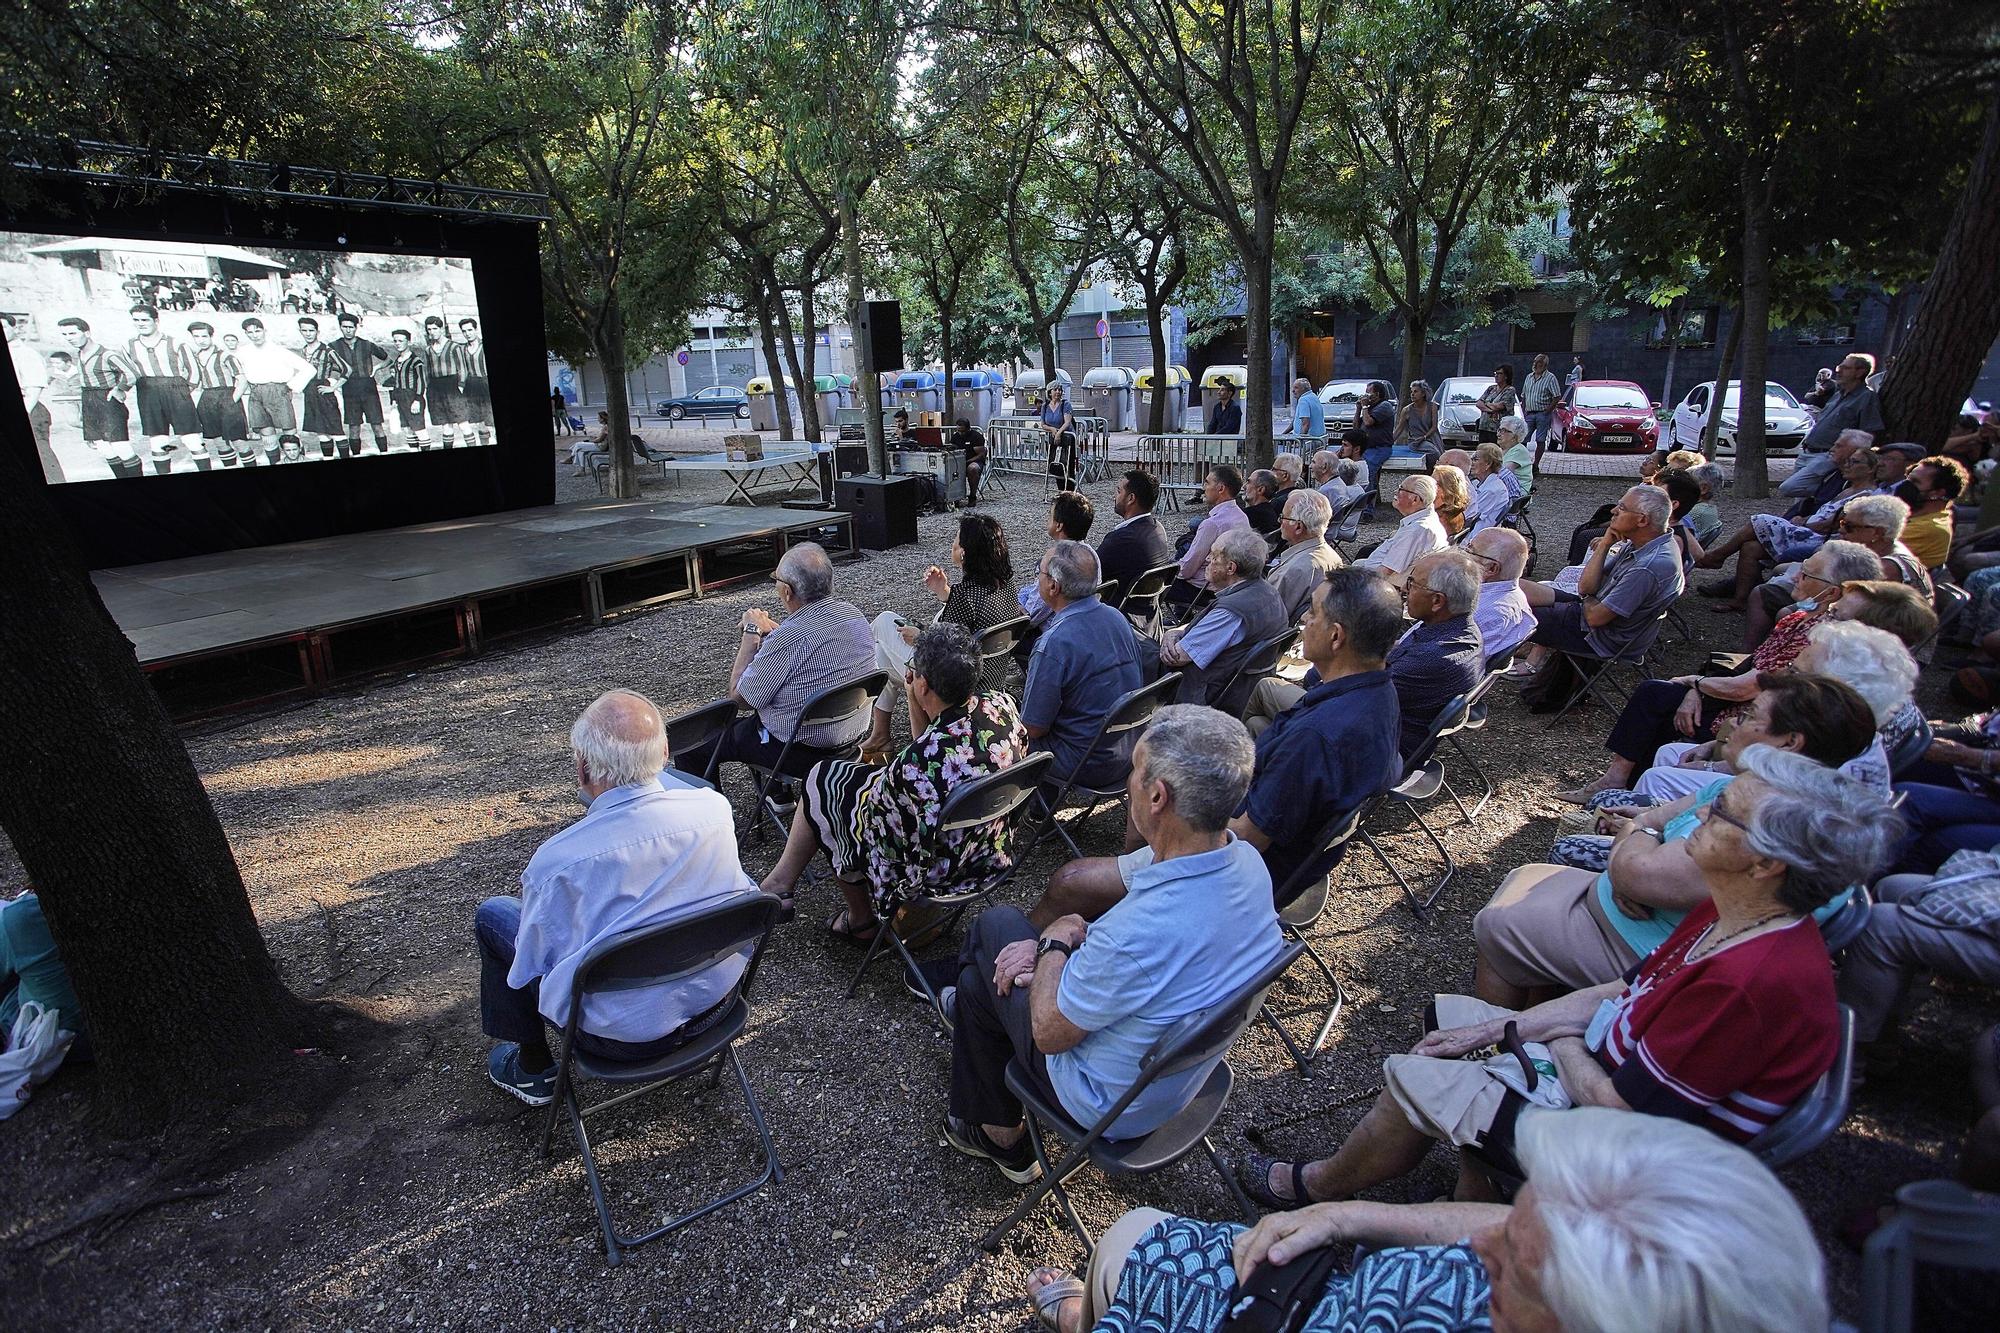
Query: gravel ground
370, 823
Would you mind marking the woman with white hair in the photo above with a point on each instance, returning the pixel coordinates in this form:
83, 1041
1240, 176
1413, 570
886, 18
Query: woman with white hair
1514, 451
1626, 1225
1726, 1024
1490, 496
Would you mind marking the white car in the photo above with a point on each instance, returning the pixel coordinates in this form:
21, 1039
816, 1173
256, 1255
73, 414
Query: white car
1458, 407
1340, 396
1786, 420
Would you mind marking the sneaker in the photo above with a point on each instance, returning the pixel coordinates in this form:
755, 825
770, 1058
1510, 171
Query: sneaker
942, 974
503, 1066
1017, 1163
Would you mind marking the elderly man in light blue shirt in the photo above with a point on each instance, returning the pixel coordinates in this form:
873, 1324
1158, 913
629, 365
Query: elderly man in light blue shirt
644, 853
1308, 412
1079, 1005
1504, 618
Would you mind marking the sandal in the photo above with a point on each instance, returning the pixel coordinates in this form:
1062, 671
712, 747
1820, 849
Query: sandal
841, 926
1056, 1288
1256, 1176
788, 908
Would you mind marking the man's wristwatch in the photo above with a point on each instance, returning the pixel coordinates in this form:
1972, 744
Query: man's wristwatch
1050, 944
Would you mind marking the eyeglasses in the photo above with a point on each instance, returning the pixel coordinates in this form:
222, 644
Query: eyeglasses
1404, 490
1847, 525
1805, 574
1715, 809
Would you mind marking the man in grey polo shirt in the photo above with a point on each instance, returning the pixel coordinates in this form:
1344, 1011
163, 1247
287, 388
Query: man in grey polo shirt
1087, 656
781, 665
1619, 597
1854, 406
1078, 1006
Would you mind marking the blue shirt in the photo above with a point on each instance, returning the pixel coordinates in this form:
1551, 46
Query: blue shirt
1189, 933
1309, 415
1086, 658
1205, 640
1432, 665
1322, 757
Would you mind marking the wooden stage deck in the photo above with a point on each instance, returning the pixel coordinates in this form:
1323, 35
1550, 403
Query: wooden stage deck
241, 627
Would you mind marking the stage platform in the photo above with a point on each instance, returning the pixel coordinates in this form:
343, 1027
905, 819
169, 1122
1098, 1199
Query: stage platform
224, 631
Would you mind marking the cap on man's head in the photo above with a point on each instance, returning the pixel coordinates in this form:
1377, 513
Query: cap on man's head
1904, 447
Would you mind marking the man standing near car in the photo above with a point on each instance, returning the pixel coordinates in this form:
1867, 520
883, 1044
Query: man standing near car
1539, 395
1854, 406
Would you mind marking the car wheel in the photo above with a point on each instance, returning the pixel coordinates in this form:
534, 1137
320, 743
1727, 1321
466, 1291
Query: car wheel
743, 411
677, 413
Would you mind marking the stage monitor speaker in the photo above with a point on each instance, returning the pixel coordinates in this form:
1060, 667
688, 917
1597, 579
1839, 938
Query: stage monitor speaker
850, 459
882, 324
884, 509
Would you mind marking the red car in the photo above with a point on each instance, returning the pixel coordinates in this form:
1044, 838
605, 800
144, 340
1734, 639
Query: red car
1606, 417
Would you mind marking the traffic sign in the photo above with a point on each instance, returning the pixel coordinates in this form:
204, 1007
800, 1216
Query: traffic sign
681, 356
1103, 327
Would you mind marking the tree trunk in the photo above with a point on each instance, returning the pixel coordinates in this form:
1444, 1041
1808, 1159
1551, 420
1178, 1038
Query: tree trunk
1892, 323
1753, 476
1674, 316
1722, 369
610, 351
869, 387
1258, 446
1046, 339
767, 334
1958, 315
1156, 329
944, 352
799, 359
117, 834
1464, 342
1416, 335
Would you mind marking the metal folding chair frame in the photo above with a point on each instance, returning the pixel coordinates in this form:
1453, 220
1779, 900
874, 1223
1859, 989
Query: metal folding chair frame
1145, 592
1113, 725
1423, 777
1261, 661
817, 710
1303, 907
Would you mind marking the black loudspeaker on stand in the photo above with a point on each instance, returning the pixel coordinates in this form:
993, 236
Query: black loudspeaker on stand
882, 326
884, 509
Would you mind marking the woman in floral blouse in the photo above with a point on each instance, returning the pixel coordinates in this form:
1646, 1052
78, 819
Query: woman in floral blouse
877, 823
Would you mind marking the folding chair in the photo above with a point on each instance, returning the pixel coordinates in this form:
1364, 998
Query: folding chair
1517, 519
996, 650
1936, 1223
835, 704
1910, 749
1812, 1119
1423, 778
1345, 525
1261, 661
1129, 712
1200, 1038
1475, 720
1301, 901
991, 798
650, 956
1845, 926
1141, 602
1598, 674
1949, 601
699, 727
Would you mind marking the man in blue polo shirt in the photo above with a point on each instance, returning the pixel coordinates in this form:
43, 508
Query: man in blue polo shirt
1086, 658
1330, 749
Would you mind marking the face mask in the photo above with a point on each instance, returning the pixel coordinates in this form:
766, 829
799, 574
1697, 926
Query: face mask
1806, 604
1909, 493
583, 798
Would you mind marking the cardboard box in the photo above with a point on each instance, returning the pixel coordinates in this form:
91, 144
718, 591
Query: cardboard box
747, 447
930, 418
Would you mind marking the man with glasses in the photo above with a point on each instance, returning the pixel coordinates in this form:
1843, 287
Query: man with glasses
781, 665
1620, 597
1415, 537
1441, 656
1854, 406
1504, 618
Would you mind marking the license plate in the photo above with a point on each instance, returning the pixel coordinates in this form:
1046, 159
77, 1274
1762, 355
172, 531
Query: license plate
1615, 439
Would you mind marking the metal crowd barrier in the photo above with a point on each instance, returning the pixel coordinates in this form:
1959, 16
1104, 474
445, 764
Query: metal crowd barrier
1181, 460
1016, 444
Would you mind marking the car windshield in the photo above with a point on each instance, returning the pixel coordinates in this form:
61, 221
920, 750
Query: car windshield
1611, 395
1775, 395
1465, 391
1344, 391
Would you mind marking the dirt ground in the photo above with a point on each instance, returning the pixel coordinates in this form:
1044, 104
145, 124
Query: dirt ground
370, 823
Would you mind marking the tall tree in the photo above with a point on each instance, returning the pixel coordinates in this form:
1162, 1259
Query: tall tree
941, 225
1148, 226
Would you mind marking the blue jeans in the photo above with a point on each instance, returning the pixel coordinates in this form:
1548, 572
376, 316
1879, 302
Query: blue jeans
1375, 458
510, 1014
1538, 427
1811, 471
1943, 820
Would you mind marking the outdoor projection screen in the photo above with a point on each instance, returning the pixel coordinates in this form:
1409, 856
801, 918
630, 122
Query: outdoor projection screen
146, 358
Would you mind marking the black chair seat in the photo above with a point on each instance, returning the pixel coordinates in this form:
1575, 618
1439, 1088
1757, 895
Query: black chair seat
681, 1060
1149, 1152
1422, 784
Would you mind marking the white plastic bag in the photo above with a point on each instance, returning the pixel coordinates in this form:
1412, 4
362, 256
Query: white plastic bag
35, 1052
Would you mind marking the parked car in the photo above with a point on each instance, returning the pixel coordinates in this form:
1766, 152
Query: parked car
1605, 417
1786, 420
1458, 408
1340, 396
716, 401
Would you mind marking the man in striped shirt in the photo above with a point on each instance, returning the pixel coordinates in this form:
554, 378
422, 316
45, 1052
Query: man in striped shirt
444, 366
360, 397
166, 408
409, 385
213, 373
478, 389
105, 378
322, 425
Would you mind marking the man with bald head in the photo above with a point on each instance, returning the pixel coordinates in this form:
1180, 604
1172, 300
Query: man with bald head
645, 852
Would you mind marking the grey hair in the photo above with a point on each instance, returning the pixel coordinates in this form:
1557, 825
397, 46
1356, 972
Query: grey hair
1310, 510
1245, 549
1328, 459
1653, 503
1872, 662
1073, 566
1205, 757
620, 738
1657, 1226
1860, 439
1454, 576
1290, 464
1711, 477
809, 571
1879, 511
1422, 487
1265, 480
1516, 426
1425, 385
1849, 560
1507, 547
1347, 469
1828, 829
